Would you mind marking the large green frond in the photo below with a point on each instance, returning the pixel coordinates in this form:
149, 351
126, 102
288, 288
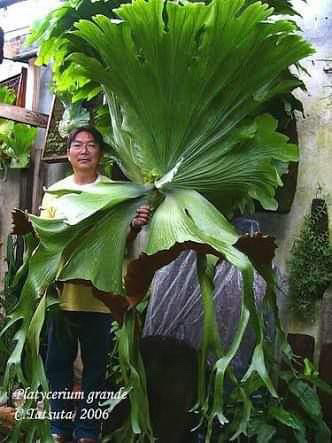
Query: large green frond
77, 205
205, 71
103, 246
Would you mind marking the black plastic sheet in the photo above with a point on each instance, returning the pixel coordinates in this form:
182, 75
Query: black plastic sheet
175, 308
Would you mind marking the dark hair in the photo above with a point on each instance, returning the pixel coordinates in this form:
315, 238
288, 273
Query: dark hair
93, 131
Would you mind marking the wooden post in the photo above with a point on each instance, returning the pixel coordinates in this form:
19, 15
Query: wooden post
22, 88
30, 184
38, 170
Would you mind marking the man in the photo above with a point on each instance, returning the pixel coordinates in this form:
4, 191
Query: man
82, 317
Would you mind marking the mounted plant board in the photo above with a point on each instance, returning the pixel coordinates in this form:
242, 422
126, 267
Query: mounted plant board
18, 84
54, 150
55, 145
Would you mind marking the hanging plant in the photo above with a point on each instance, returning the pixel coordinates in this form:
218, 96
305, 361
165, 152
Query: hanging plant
185, 86
16, 140
310, 264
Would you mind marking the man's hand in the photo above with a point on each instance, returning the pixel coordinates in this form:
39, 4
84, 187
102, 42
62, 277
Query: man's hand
21, 224
141, 218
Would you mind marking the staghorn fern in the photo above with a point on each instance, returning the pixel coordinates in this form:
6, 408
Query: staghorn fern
16, 140
185, 85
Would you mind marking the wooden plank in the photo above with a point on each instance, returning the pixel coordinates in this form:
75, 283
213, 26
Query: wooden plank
56, 159
22, 115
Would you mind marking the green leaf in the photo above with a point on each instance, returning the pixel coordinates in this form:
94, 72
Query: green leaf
258, 359
258, 365
211, 342
126, 151
43, 267
50, 34
245, 417
265, 432
134, 376
6, 127
287, 418
187, 216
307, 397
7, 95
320, 384
16, 141
223, 363
323, 433
283, 7
21, 142
105, 235
300, 437
35, 326
77, 205
74, 116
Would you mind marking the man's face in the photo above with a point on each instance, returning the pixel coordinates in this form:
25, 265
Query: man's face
84, 153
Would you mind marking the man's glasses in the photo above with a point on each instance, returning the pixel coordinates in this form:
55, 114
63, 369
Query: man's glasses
78, 146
